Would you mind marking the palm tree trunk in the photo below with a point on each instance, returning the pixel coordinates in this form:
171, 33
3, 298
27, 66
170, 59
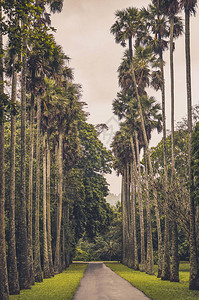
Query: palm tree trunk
197, 231
133, 208
63, 240
175, 264
12, 258
129, 220
172, 102
143, 262
24, 280
46, 269
132, 229
166, 257
136, 178
4, 290
68, 228
175, 259
57, 263
166, 272
49, 238
194, 264
125, 227
37, 258
123, 220
30, 198
149, 264
56, 186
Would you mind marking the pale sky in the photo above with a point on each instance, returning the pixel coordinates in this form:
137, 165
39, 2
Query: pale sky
83, 30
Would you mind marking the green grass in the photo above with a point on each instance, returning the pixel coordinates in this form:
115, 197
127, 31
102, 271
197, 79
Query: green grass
154, 287
61, 286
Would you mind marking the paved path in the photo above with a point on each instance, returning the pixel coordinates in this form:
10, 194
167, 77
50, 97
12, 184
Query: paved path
101, 283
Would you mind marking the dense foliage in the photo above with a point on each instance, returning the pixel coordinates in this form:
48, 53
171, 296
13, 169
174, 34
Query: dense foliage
53, 187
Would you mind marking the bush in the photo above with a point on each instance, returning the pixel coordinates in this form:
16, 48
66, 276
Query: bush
81, 255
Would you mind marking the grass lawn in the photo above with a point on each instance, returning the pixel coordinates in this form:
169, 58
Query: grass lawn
61, 286
154, 287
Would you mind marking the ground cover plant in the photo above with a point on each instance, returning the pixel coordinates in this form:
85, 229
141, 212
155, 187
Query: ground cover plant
154, 287
61, 286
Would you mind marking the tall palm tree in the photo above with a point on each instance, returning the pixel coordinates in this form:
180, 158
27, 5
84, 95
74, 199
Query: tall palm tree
22, 239
57, 261
12, 259
136, 174
172, 8
158, 42
49, 238
189, 8
157, 14
46, 268
37, 257
4, 290
48, 125
149, 258
30, 188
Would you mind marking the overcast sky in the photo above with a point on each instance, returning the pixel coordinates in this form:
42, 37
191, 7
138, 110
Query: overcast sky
83, 30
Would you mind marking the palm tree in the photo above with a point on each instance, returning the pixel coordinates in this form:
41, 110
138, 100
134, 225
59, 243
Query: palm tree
149, 258
136, 174
57, 261
159, 29
49, 238
46, 268
48, 126
37, 258
4, 290
189, 8
11, 71
172, 8
158, 42
24, 281
130, 250
30, 190
12, 259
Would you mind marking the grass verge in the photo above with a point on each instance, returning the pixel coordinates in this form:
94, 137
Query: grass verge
154, 287
61, 286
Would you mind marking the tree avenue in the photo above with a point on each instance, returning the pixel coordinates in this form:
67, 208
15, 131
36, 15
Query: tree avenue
53, 190
52, 162
166, 191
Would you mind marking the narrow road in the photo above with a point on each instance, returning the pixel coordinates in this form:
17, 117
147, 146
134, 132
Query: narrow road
101, 283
